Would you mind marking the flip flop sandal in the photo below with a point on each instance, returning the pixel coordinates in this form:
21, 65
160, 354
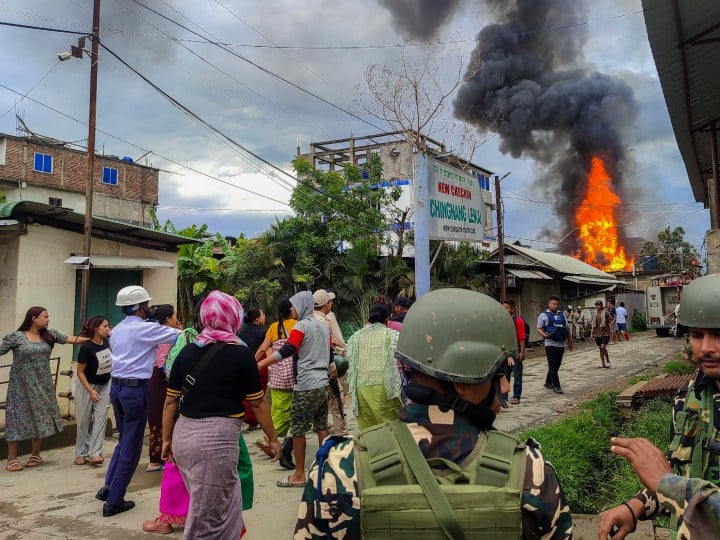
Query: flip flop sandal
96, 460
34, 461
14, 465
157, 468
153, 526
80, 460
287, 483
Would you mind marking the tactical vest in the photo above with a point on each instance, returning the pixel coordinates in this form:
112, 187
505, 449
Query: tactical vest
484, 493
695, 447
555, 327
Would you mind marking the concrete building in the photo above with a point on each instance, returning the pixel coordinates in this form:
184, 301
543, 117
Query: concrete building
397, 156
44, 170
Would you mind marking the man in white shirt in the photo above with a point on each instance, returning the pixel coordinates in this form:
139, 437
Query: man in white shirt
324, 301
621, 321
133, 342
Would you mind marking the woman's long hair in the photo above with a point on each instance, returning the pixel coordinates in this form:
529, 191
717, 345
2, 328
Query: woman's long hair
92, 324
162, 312
284, 313
27, 324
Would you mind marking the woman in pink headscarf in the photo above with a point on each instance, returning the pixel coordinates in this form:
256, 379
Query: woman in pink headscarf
204, 439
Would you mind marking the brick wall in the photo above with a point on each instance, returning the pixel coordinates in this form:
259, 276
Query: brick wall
134, 182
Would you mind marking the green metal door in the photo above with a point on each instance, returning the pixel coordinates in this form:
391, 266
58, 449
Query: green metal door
104, 286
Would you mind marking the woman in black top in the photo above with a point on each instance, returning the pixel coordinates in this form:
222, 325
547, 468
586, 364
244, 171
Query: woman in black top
92, 391
253, 334
204, 440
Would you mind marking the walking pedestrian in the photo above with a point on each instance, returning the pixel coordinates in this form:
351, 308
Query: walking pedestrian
92, 391
600, 330
166, 315
580, 324
32, 411
552, 326
515, 363
621, 320
373, 375
133, 342
280, 381
613, 320
324, 301
253, 335
310, 341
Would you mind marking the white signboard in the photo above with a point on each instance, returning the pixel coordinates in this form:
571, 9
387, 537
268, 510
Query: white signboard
456, 207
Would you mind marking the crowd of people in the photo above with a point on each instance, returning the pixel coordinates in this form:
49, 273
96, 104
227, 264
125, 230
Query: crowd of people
425, 382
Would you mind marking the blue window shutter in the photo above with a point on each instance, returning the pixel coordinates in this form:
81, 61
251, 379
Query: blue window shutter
38, 162
47, 165
114, 176
106, 175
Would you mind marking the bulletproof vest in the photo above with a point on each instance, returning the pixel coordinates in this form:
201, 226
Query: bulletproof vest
556, 325
484, 492
695, 447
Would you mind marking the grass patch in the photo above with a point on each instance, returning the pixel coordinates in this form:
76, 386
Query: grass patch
579, 447
640, 377
677, 367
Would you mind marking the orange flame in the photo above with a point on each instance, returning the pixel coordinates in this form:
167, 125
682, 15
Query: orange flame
596, 223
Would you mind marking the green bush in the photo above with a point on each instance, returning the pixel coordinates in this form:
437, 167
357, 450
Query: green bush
677, 367
638, 321
579, 447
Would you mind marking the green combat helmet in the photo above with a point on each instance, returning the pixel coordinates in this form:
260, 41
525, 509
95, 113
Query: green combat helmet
341, 365
456, 335
700, 303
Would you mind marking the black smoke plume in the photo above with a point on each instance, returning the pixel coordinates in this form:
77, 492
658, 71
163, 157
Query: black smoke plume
535, 91
420, 19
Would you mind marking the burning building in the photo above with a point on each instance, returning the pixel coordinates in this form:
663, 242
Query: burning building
555, 110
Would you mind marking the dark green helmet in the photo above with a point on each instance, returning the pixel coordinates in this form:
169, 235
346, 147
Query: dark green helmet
700, 303
341, 365
456, 335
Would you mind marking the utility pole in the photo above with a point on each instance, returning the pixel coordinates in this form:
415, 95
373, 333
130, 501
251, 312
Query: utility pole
501, 245
87, 228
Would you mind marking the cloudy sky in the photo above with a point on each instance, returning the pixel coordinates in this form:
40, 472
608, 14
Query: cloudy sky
325, 51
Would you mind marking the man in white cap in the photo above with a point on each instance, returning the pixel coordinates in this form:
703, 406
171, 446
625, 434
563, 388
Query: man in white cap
324, 301
133, 342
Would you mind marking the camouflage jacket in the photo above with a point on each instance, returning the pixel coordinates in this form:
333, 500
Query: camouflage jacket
694, 502
545, 513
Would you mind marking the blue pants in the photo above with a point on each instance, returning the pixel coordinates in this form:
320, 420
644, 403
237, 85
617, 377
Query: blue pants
515, 370
130, 407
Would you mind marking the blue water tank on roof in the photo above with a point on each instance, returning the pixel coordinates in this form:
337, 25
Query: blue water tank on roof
127, 159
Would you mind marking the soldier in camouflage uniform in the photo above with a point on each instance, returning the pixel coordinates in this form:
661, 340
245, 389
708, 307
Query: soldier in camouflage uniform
455, 344
685, 482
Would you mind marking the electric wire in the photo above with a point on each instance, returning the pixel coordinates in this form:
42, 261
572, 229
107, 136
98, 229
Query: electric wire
265, 70
160, 156
26, 94
227, 75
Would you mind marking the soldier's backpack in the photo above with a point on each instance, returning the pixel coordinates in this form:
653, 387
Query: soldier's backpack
402, 497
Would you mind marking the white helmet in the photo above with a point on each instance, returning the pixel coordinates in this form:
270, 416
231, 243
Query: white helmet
132, 295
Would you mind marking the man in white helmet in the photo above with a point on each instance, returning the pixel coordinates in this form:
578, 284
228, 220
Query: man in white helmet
133, 343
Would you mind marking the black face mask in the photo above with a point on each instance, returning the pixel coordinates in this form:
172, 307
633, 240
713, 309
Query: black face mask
481, 415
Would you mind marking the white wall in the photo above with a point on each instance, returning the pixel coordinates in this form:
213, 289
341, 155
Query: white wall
43, 279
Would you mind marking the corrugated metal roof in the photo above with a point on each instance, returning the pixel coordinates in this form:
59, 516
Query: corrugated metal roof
528, 274
688, 69
562, 263
65, 218
591, 279
117, 261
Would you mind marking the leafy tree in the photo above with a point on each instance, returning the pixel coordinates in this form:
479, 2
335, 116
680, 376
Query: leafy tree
674, 253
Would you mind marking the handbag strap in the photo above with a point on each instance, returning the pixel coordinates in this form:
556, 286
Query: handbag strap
191, 378
421, 470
